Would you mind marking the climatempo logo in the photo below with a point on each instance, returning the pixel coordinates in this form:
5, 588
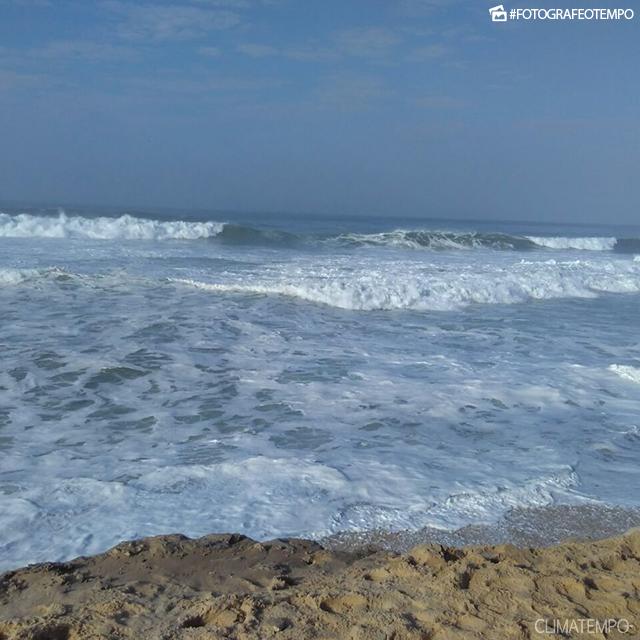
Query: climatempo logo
498, 14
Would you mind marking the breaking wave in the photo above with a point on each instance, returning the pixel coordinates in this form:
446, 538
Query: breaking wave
436, 240
235, 234
474, 240
626, 372
125, 227
582, 244
128, 227
439, 290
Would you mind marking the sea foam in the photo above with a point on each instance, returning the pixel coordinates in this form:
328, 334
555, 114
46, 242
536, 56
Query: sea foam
582, 244
222, 384
434, 288
125, 227
627, 372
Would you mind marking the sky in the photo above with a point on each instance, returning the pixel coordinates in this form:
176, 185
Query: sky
365, 107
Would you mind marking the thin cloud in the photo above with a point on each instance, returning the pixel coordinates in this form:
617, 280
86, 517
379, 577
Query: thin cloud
367, 42
349, 91
422, 7
440, 102
152, 22
210, 52
201, 85
429, 52
374, 43
83, 50
27, 3
254, 50
311, 54
10, 80
237, 4
228, 4
305, 53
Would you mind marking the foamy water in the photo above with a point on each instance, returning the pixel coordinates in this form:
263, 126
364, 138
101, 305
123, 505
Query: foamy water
162, 375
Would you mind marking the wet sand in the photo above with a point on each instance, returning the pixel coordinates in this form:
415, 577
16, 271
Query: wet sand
229, 586
523, 527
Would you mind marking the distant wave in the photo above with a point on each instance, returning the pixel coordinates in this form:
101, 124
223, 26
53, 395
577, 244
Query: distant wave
435, 240
124, 227
128, 227
239, 234
474, 240
368, 289
583, 244
627, 245
423, 239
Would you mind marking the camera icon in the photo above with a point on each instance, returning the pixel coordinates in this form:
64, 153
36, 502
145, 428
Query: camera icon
498, 14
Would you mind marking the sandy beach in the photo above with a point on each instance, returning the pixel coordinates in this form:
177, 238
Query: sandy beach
229, 586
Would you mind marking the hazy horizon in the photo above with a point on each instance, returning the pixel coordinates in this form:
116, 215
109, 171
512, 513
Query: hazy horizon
255, 216
418, 109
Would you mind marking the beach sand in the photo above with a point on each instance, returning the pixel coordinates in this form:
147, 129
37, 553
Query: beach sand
229, 586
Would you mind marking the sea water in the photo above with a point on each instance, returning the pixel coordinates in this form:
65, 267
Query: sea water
299, 376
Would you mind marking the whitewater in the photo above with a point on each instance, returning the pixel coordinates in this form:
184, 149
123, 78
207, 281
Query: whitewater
304, 376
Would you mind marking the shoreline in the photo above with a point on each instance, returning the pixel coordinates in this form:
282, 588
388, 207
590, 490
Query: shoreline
230, 586
522, 527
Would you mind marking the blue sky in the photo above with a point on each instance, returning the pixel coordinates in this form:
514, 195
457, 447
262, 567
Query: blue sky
408, 107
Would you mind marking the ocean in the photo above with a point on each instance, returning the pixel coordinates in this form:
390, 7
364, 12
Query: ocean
280, 375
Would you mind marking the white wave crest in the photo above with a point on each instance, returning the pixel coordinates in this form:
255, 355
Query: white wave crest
125, 227
11, 277
582, 244
626, 372
435, 288
413, 240
432, 239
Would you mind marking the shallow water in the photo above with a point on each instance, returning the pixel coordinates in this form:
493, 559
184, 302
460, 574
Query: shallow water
306, 377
